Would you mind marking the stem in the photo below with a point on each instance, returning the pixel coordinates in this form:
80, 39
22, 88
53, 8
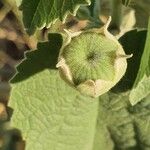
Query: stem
116, 13
96, 10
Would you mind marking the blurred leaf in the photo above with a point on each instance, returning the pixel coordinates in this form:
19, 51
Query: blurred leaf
84, 13
38, 58
91, 13
41, 13
126, 2
145, 60
142, 12
142, 83
141, 91
128, 22
141, 114
95, 8
118, 120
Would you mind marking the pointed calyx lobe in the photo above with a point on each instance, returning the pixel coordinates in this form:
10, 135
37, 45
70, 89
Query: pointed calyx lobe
92, 61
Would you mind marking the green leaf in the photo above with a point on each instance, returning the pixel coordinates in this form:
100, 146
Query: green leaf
50, 114
41, 13
126, 2
142, 83
95, 8
141, 91
45, 57
145, 60
119, 121
141, 114
84, 13
91, 13
129, 126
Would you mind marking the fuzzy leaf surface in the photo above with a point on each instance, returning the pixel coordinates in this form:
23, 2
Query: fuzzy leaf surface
141, 87
41, 13
49, 113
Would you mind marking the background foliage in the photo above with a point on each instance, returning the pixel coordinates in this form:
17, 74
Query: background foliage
47, 113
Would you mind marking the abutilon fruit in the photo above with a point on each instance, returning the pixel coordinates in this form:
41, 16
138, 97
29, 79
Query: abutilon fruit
92, 61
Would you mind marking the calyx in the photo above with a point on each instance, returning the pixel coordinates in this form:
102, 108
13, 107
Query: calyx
92, 61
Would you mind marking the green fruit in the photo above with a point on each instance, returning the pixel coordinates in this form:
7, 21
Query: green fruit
92, 61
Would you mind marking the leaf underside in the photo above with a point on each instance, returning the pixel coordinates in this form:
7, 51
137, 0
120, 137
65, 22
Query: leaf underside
41, 13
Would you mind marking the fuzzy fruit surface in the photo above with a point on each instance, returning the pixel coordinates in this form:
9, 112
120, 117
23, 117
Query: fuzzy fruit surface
91, 56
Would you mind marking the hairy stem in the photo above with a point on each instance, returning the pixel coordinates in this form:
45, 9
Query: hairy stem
116, 13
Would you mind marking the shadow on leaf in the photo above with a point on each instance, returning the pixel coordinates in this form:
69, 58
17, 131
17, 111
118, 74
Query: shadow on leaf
44, 57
